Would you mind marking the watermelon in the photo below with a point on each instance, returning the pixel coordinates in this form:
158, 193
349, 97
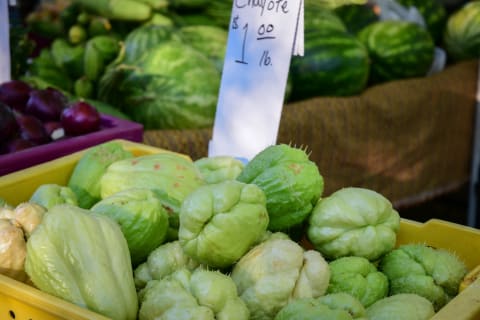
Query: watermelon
171, 86
335, 63
356, 16
434, 13
144, 38
210, 40
319, 18
220, 11
462, 34
398, 50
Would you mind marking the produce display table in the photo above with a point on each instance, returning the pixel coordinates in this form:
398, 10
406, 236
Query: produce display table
410, 140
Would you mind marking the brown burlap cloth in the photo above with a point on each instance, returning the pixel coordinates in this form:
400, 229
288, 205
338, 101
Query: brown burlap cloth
410, 140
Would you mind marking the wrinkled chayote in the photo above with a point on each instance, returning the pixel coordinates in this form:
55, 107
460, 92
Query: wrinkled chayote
338, 306
162, 262
353, 222
291, 182
359, 277
402, 306
220, 222
172, 174
49, 195
141, 216
219, 168
197, 295
429, 272
277, 271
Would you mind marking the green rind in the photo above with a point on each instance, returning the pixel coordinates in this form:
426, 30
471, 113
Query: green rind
434, 13
165, 88
356, 16
335, 63
398, 50
462, 33
144, 38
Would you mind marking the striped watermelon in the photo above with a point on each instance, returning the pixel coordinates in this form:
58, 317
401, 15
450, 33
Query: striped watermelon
335, 64
434, 13
144, 38
220, 12
356, 16
462, 34
320, 18
210, 40
398, 50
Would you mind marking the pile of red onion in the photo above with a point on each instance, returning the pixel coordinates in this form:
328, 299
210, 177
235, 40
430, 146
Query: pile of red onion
31, 117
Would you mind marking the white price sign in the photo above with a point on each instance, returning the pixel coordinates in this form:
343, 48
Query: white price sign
263, 35
5, 69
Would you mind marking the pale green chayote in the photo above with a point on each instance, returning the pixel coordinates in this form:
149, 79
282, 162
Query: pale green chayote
83, 257
141, 216
291, 181
338, 306
277, 271
429, 272
353, 222
220, 222
219, 168
50, 194
402, 306
162, 262
359, 277
192, 295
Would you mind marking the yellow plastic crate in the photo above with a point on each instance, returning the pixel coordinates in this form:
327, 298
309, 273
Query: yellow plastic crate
23, 302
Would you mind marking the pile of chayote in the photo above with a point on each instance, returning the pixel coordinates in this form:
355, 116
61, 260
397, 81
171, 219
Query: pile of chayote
160, 236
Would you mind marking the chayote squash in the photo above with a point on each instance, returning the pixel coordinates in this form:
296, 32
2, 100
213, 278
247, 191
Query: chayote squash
358, 277
49, 195
192, 295
141, 216
220, 222
432, 273
83, 257
402, 306
338, 306
85, 178
277, 271
291, 182
162, 262
172, 175
170, 172
353, 222
219, 168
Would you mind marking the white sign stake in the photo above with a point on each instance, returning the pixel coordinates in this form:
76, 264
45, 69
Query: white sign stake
263, 35
5, 64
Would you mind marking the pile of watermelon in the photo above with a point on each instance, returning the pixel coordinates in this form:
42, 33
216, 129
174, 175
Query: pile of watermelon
349, 48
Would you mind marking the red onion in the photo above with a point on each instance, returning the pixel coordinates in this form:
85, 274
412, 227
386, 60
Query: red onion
80, 118
47, 104
15, 94
8, 124
31, 128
